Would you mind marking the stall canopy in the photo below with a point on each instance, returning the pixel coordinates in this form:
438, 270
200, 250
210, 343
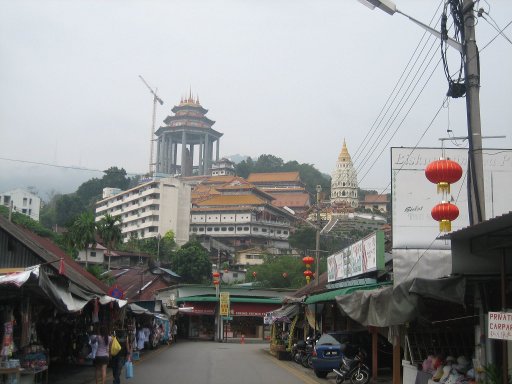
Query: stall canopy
64, 294
394, 306
331, 295
285, 313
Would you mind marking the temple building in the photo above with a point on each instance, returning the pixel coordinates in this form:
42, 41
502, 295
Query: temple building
185, 132
344, 181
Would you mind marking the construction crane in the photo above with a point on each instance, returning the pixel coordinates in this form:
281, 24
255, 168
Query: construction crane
152, 139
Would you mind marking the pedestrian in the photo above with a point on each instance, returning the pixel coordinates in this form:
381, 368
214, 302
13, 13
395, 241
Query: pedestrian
124, 354
102, 353
175, 332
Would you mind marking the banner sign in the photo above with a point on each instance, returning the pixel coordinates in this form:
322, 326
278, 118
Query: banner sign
500, 325
364, 256
224, 303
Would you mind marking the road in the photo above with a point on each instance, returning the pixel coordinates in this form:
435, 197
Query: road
217, 363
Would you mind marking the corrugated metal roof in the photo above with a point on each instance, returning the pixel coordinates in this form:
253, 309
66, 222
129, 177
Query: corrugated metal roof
46, 251
495, 224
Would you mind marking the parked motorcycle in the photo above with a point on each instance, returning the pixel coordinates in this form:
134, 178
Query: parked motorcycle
354, 369
298, 349
307, 357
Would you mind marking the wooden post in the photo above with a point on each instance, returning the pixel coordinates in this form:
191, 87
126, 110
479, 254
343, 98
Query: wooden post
375, 364
397, 363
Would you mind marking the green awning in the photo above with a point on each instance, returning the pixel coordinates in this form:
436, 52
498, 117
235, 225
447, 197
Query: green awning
264, 300
331, 295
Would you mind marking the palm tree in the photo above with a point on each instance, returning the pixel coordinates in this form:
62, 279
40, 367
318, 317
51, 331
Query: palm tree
109, 230
83, 232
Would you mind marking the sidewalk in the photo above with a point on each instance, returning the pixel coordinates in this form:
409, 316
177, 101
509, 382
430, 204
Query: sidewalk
84, 374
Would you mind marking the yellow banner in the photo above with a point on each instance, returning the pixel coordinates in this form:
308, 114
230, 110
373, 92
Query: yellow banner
224, 303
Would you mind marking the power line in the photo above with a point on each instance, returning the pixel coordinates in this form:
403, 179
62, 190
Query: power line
361, 145
374, 128
61, 166
395, 114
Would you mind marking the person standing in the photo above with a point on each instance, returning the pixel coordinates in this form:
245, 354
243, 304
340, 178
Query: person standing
102, 353
175, 332
124, 354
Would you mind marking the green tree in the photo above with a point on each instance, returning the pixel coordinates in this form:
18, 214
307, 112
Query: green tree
280, 272
67, 208
83, 233
109, 230
303, 238
192, 263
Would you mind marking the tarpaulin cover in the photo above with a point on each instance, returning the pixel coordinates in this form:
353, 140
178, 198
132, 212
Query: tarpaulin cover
285, 313
394, 306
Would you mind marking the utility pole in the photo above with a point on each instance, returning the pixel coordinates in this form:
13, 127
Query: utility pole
476, 199
318, 228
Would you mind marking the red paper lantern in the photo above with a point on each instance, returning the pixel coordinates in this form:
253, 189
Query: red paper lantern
308, 260
285, 275
254, 274
443, 172
216, 282
445, 213
216, 275
308, 273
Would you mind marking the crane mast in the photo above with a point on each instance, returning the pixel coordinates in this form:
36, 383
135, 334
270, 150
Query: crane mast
152, 138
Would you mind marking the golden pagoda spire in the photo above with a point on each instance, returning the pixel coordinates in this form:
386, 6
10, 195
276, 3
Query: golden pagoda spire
344, 155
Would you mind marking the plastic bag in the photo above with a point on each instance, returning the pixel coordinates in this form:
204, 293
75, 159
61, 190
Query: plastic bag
129, 369
115, 348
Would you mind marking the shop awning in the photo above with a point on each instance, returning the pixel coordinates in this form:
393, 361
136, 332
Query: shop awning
138, 310
251, 309
331, 295
285, 313
198, 299
394, 306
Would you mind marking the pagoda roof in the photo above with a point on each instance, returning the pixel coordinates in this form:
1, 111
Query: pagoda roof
274, 177
232, 200
291, 200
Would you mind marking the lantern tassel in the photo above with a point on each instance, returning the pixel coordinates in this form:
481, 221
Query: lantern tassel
443, 187
445, 226
307, 279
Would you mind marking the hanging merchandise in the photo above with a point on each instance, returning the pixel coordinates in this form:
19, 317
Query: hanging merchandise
7, 341
115, 348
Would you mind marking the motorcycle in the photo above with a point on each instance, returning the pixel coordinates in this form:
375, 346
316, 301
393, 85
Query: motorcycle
298, 349
307, 357
354, 369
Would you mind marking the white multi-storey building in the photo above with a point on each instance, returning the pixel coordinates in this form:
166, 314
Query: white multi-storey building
22, 201
150, 209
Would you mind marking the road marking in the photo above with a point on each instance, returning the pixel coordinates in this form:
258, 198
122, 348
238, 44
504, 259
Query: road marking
300, 375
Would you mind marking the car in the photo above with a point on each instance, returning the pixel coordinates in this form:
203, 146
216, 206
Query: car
329, 350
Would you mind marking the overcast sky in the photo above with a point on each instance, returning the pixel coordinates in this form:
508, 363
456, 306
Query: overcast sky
292, 78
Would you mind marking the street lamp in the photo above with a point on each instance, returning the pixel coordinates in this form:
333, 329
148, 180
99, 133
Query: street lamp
469, 51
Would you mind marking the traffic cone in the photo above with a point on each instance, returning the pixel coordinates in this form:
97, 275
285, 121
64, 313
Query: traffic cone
242, 340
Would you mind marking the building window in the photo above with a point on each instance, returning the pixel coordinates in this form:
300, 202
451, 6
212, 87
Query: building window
194, 229
246, 228
231, 229
264, 230
223, 229
216, 229
93, 254
256, 229
208, 229
239, 228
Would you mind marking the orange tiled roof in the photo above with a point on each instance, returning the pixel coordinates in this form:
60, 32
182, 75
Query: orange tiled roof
376, 199
273, 177
227, 200
291, 200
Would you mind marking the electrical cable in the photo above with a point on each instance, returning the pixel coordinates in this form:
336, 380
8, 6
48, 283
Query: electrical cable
62, 166
395, 116
357, 152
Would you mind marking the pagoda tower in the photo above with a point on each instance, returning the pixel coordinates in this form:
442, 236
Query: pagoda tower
344, 181
187, 129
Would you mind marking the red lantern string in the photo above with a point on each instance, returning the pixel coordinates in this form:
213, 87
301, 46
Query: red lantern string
445, 213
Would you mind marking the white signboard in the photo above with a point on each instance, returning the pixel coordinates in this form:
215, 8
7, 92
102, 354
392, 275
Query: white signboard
500, 325
363, 256
413, 196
